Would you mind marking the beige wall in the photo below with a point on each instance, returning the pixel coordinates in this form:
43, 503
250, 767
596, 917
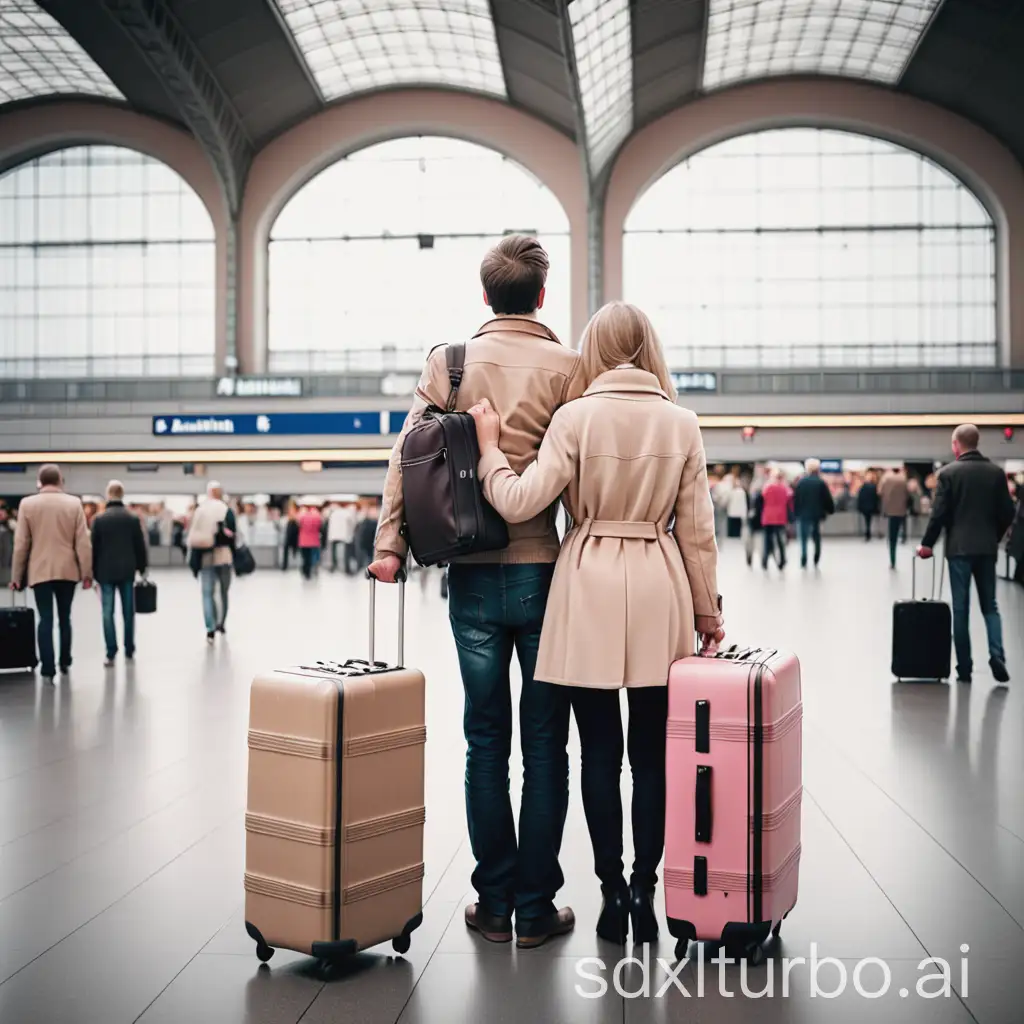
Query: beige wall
292, 159
982, 162
29, 132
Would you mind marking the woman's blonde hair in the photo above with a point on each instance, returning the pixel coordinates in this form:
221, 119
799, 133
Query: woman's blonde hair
621, 333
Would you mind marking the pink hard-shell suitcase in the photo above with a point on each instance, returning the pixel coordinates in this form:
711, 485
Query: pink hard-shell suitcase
732, 827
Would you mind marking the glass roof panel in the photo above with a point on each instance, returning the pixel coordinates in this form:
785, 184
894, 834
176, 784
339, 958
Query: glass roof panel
39, 58
356, 45
872, 39
602, 40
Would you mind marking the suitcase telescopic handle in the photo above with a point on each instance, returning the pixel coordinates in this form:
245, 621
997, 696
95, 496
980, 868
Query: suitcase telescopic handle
913, 575
400, 579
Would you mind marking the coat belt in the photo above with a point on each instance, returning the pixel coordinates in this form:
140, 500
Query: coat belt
621, 530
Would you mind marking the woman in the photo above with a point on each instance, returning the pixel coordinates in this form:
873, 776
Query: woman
736, 508
635, 577
777, 508
310, 523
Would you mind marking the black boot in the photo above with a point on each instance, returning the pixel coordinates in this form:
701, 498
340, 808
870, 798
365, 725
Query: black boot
641, 910
613, 924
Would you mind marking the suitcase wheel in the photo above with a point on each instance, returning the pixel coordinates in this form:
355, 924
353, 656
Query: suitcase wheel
263, 951
401, 943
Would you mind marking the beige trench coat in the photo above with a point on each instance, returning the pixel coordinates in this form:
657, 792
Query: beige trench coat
627, 594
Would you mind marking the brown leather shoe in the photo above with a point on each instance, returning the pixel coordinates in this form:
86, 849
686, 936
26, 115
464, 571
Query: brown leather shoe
493, 927
536, 932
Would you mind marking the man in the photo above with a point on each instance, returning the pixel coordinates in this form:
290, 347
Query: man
52, 552
118, 553
6, 545
867, 503
211, 537
341, 532
1015, 546
812, 503
894, 494
368, 514
497, 602
973, 505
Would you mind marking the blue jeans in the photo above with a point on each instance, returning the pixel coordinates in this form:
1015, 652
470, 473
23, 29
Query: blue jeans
983, 569
211, 576
810, 529
109, 593
61, 593
897, 528
774, 540
495, 610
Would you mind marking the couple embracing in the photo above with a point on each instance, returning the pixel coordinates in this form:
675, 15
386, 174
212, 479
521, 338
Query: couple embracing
611, 607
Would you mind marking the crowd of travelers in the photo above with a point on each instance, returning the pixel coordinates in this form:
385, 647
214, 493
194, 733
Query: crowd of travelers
628, 590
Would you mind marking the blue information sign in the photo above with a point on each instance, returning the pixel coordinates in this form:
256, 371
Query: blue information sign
273, 423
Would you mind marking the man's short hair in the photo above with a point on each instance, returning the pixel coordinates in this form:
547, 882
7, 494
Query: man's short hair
812, 465
49, 475
115, 491
514, 273
968, 436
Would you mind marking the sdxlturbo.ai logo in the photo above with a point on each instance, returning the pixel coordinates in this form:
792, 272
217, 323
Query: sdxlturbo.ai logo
826, 977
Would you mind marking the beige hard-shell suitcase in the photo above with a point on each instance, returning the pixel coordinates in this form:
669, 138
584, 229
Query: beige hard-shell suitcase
334, 817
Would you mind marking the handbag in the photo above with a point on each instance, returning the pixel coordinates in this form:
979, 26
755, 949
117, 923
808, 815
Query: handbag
243, 560
145, 597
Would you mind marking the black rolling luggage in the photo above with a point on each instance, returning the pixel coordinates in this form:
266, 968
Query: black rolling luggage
922, 633
446, 514
18, 637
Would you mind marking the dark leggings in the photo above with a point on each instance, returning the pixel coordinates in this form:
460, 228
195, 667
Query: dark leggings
599, 721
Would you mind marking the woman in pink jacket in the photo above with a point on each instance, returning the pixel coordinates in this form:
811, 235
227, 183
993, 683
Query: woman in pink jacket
777, 497
310, 525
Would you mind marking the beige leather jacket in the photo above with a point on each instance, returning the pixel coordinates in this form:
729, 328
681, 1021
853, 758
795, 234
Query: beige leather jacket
52, 540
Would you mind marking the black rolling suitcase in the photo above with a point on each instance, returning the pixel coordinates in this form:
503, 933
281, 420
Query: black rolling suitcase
922, 633
18, 637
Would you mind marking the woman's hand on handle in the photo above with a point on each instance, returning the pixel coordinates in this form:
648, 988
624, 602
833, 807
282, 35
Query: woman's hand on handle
710, 642
488, 425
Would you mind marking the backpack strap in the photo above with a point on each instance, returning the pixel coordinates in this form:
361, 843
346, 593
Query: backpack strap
455, 360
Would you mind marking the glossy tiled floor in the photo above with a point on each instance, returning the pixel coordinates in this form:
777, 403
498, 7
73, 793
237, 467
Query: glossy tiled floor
121, 839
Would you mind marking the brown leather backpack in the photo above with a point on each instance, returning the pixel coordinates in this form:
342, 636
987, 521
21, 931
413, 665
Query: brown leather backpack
446, 514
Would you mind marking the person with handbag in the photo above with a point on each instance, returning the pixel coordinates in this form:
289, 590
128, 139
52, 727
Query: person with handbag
635, 579
118, 554
211, 541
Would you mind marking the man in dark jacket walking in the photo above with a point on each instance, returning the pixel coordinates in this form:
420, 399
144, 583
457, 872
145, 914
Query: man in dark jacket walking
812, 503
119, 552
974, 507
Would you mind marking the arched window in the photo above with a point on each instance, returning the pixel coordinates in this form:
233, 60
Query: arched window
106, 268
377, 258
811, 247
